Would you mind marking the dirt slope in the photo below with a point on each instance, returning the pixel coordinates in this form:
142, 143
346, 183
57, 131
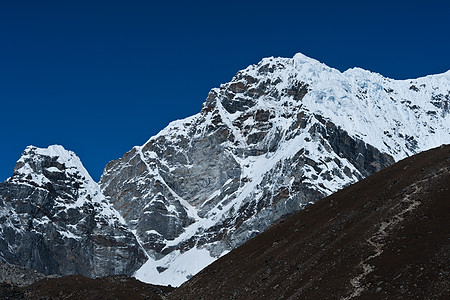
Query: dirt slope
387, 236
78, 287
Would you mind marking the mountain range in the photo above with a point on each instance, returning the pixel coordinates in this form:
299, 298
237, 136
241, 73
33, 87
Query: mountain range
385, 237
282, 134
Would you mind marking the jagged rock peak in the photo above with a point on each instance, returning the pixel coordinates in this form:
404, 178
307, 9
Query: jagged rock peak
55, 165
54, 219
36, 163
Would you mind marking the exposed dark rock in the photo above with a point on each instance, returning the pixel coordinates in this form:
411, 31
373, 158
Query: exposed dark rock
366, 158
18, 276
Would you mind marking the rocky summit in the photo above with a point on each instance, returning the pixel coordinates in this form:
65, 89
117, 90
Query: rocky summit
283, 133
54, 219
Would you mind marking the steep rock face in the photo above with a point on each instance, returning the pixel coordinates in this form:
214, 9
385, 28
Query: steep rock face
281, 134
54, 219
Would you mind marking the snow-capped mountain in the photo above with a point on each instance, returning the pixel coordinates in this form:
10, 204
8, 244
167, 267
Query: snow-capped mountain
54, 219
281, 134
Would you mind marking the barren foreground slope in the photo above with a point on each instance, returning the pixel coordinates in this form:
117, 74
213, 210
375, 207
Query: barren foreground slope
76, 287
387, 236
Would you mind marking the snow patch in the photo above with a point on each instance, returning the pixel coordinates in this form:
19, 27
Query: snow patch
175, 268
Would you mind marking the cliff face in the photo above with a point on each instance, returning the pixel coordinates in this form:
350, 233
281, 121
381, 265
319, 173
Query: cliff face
54, 219
281, 134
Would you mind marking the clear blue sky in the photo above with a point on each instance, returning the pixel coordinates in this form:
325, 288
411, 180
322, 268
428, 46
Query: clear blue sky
99, 77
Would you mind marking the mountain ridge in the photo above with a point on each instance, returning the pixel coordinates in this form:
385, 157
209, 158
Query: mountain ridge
284, 132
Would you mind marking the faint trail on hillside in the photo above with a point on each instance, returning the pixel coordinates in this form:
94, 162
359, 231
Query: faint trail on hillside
377, 241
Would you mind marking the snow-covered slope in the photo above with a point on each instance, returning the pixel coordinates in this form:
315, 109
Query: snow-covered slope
281, 134
396, 117
54, 219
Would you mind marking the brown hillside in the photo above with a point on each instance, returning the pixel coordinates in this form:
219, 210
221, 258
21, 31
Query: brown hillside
76, 287
386, 237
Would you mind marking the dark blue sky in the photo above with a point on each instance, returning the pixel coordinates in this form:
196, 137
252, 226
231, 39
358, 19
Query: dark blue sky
99, 77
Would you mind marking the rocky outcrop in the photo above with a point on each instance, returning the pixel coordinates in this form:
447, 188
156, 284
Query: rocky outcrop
19, 276
54, 219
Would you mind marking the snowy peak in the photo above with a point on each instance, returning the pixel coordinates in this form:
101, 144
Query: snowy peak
281, 134
39, 165
52, 206
60, 168
403, 111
